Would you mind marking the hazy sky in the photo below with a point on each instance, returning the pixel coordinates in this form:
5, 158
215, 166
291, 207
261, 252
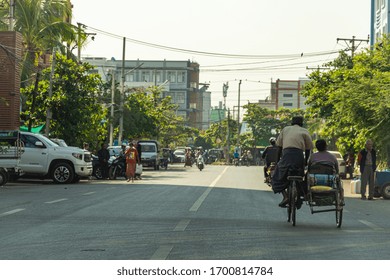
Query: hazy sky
274, 32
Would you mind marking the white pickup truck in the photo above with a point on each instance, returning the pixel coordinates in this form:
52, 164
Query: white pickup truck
42, 158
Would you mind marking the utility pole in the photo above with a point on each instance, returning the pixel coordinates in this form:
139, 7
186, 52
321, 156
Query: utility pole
225, 88
79, 42
48, 110
238, 115
122, 94
352, 41
228, 138
112, 107
11, 15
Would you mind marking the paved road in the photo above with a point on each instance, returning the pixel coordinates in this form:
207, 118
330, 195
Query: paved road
222, 212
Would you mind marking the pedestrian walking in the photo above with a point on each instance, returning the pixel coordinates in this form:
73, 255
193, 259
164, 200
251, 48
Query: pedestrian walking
367, 164
132, 159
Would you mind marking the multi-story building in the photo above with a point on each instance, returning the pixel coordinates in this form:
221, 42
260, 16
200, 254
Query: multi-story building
288, 94
285, 93
179, 79
379, 19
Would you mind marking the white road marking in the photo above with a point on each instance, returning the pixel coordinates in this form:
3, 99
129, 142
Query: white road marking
371, 225
162, 252
55, 201
88, 193
11, 212
200, 200
182, 225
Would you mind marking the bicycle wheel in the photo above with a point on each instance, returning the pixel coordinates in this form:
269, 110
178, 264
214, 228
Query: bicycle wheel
289, 204
293, 202
339, 210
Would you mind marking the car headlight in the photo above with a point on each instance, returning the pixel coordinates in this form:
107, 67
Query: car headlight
78, 156
153, 157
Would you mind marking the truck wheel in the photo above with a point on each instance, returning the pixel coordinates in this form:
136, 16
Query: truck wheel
386, 191
3, 177
62, 173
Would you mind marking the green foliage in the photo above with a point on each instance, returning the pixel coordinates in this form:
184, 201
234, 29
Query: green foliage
148, 115
266, 123
42, 25
352, 100
77, 115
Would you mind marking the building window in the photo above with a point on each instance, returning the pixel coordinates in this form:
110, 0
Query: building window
287, 95
181, 77
287, 104
180, 97
156, 76
171, 76
145, 76
129, 77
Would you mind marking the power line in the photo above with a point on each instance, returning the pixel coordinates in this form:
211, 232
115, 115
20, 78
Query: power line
225, 55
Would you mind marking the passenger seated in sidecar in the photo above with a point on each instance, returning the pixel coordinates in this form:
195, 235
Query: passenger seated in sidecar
323, 175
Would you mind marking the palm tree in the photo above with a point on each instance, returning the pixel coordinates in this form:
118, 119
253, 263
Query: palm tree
44, 25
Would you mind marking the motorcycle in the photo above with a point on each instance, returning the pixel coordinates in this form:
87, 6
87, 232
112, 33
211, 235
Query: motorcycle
164, 163
200, 162
96, 168
117, 168
270, 172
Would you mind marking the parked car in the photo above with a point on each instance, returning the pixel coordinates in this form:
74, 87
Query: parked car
179, 156
342, 165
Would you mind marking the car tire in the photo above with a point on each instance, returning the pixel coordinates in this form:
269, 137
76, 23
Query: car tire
3, 177
386, 191
62, 173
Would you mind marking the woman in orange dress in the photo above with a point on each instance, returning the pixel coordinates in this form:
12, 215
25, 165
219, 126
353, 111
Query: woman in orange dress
131, 160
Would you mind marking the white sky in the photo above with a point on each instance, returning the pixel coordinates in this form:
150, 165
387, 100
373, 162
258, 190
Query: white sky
268, 28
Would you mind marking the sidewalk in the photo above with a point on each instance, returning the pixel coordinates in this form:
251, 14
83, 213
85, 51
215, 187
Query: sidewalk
348, 190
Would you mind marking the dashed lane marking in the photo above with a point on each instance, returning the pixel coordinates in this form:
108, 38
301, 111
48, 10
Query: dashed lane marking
371, 225
182, 225
200, 200
56, 201
88, 193
11, 212
162, 252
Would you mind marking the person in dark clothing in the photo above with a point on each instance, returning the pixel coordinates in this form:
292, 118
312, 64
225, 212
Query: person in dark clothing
270, 155
104, 156
293, 142
367, 163
139, 151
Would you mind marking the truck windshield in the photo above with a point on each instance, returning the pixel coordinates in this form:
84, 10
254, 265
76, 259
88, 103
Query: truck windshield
148, 148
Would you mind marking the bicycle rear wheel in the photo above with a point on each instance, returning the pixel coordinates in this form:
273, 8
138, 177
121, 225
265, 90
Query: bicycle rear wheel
293, 202
339, 210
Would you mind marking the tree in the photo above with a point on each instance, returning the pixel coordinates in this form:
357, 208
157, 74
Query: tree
43, 25
148, 115
352, 99
266, 123
77, 113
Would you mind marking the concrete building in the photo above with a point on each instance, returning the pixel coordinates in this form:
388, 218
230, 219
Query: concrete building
288, 94
10, 69
179, 79
379, 19
285, 93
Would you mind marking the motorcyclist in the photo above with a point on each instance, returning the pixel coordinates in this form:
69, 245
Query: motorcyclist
294, 141
270, 155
